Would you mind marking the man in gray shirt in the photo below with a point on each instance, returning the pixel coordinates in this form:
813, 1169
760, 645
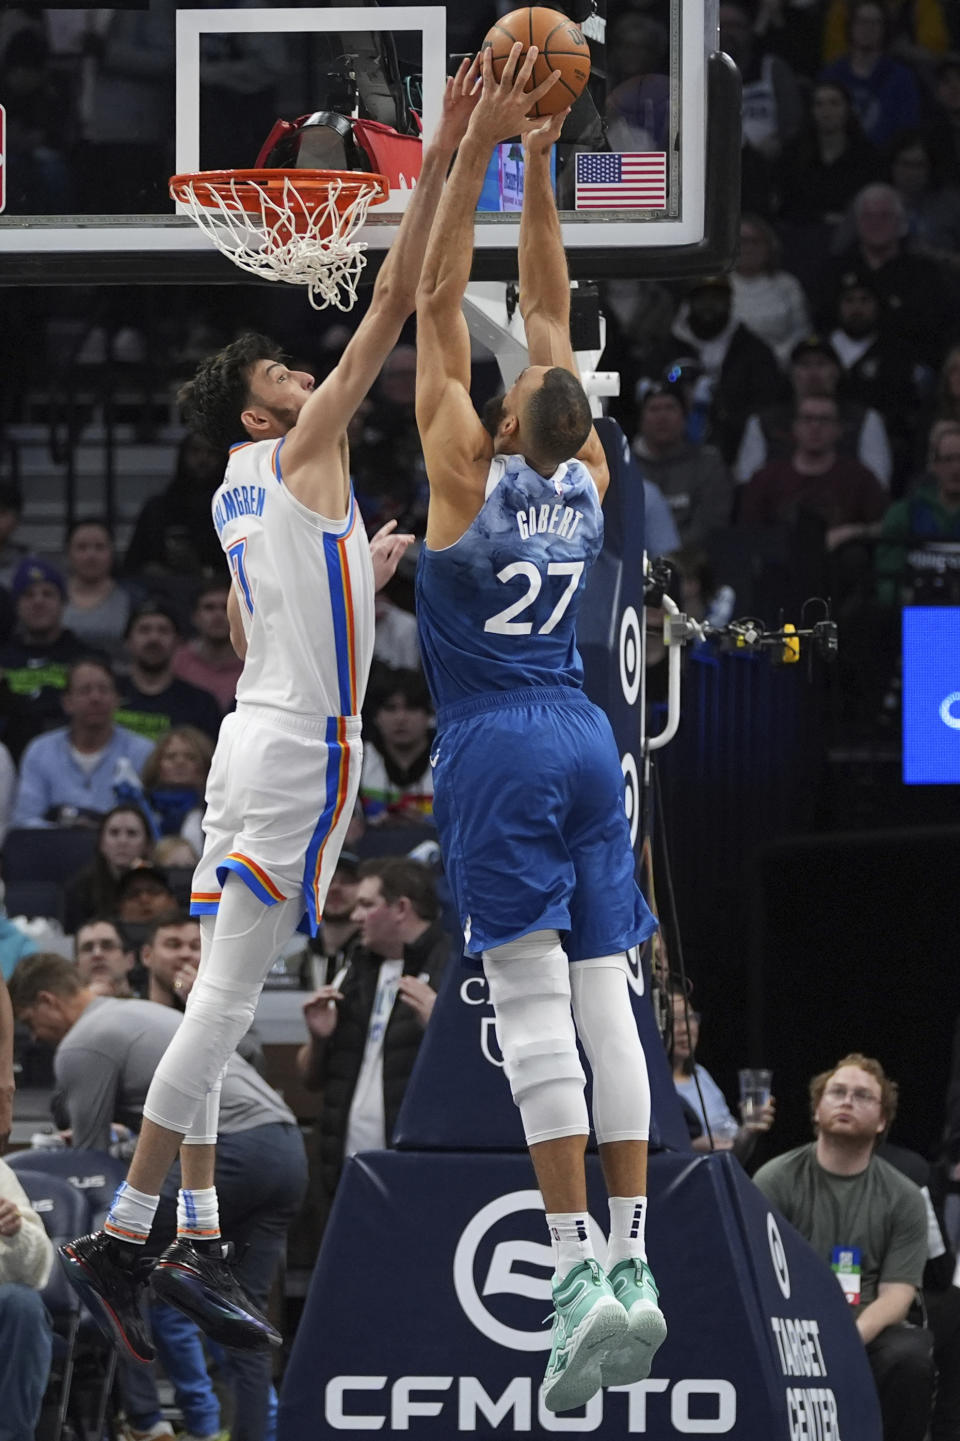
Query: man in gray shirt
869, 1223
106, 1052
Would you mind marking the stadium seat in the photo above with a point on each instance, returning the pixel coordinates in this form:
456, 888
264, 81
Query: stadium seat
46, 853
65, 1214
95, 1176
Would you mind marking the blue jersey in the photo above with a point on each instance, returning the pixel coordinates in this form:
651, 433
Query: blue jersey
497, 610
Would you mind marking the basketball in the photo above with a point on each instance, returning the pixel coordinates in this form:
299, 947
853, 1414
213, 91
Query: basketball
561, 45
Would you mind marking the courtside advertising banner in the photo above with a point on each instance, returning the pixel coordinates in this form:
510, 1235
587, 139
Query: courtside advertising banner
426, 1313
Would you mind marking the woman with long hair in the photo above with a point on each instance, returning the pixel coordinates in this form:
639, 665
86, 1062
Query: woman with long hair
174, 780
124, 839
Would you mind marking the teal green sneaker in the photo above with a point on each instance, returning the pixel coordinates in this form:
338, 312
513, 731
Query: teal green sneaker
634, 1287
588, 1320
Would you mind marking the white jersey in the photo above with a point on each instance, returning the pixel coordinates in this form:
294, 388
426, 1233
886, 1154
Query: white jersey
305, 587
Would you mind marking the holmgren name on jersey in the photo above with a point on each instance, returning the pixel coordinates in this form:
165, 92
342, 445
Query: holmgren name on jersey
238, 500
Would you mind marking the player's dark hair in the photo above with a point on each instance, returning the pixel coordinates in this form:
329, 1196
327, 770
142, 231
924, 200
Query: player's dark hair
214, 399
558, 419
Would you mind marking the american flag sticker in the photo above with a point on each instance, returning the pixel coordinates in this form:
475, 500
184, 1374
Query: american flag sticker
636, 181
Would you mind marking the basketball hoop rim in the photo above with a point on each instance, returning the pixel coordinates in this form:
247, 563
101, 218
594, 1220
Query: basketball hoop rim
208, 187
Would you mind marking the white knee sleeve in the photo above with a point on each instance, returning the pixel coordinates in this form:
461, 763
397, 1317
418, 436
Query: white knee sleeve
247, 938
608, 1032
530, 990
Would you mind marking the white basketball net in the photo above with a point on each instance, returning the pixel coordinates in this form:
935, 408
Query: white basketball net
302, 239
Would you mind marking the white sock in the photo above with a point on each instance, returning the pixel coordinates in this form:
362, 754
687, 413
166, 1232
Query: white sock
571, 1240
131, 1215
198, 1216
628, 1219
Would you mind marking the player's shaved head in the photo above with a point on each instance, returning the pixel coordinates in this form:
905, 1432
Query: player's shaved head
557, 418
214, 400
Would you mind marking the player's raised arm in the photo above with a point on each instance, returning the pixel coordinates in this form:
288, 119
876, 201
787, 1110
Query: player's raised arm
544, 278
452, 435
324, 418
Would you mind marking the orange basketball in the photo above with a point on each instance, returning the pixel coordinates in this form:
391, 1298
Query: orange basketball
561, 45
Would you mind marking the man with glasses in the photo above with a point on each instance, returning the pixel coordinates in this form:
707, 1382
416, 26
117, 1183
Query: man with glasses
104, 961
869, 1223
817, 480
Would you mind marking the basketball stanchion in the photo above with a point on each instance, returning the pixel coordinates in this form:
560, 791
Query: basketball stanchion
299, 226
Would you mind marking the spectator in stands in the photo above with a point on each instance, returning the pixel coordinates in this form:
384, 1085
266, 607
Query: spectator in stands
718, 1128
6, 1065
877, 377
143, 894
35, 660
175, 851
931, 205
97, 607
104, 960
173, 535
772, 103
366, 1025
815, 370
945, 131
339, 931
74, 775
943, 407
8, 790
395, 641
842, 1197
208, 660
828, 164
175, 778
171, 955
152, 699
738, 370
917, 302
14, 945
917, 28
884, 90
396, 779
12, 552
26, 1260
769, 300
927, 514
816, 480
691, 477
637, 113
106, 1053
124, 839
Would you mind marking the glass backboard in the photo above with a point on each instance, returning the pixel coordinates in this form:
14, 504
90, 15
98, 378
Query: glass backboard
102, 106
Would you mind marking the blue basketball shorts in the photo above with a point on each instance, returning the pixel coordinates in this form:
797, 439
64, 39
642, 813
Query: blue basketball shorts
528, 802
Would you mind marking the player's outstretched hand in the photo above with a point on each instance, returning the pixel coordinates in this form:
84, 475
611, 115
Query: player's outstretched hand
320, 1012
538, 135
386, 548
418, 995
460, 99
504, 105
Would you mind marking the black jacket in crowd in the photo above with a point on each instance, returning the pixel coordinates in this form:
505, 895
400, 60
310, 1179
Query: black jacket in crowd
339, 1059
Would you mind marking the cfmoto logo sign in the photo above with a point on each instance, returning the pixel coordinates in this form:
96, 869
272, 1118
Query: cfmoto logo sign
515, 1273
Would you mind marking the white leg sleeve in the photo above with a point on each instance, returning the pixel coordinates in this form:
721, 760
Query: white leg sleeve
608, 1033
247, 938
529, 983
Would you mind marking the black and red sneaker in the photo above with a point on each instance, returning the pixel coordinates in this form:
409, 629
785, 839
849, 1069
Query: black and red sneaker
195, 1276
110, 1277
